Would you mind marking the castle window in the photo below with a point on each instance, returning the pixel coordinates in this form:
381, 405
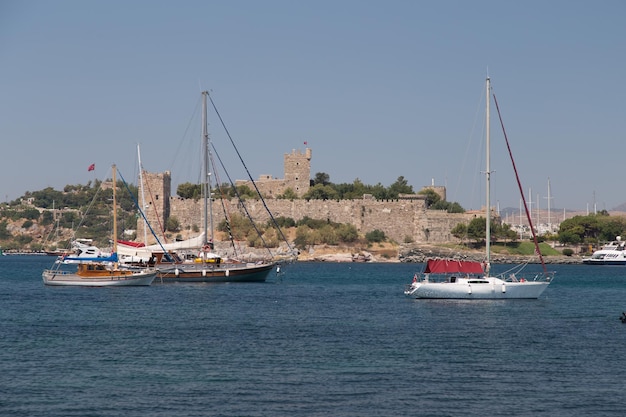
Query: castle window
157, 197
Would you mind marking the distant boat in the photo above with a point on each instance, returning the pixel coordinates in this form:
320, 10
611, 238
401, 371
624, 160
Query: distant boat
457, 279
98, 271
82, 248
613, 253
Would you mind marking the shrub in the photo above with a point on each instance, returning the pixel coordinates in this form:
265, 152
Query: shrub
172, 224
568, 252
375, 236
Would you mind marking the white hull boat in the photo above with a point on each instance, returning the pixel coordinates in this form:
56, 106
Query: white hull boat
486, 288
613, 253
455, 279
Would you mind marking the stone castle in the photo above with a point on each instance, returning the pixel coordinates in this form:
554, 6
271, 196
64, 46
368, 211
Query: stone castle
402, 220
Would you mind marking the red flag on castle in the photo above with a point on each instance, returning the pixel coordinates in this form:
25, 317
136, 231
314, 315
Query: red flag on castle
306, 143
91, 167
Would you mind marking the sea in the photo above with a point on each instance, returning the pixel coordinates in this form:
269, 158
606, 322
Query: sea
316, 339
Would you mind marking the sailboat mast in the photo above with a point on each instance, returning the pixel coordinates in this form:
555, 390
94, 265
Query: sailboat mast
206, 171
114, 209
143, 198
488, 180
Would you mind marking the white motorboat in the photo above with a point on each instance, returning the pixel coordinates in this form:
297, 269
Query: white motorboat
613, 253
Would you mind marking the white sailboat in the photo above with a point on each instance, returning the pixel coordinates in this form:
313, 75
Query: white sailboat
99, 271
454, 279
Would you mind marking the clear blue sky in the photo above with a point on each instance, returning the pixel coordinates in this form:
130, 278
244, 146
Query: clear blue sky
378, 89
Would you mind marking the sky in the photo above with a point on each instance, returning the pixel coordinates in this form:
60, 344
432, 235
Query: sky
377, 90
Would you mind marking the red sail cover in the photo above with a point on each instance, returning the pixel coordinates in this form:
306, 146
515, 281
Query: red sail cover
450, 266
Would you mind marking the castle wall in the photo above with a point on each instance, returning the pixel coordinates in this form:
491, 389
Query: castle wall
403, 219
400, 220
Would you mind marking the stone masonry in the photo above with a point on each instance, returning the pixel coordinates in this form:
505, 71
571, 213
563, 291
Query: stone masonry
404, 219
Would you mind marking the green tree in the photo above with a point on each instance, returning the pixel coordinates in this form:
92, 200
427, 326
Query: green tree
476, 230
172, 224
580, 228
4, 233
245, 191
347, 233
288, 194
460, 231
380, 192
321, 178
352, 191
47, 218
311, 223
321, 192
401, 186
189, 190
375, 236
282, 222
431, 195
455, 208
304, 237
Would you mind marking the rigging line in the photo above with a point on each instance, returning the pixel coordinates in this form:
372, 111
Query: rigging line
219, 116
84, 215
519, 184
248, 172
243, 205
167, 255
185, 134
227, 215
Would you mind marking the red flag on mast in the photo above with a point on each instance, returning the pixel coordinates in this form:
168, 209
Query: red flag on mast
91, 167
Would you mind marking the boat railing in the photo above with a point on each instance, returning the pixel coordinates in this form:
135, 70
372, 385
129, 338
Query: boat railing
540, 277
57, 272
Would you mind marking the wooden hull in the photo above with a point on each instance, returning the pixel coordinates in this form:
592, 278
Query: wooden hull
113, 279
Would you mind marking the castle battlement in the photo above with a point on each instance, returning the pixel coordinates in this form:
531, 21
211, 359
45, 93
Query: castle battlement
402, 219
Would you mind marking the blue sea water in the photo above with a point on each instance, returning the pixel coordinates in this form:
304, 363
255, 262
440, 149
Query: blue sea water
319, 339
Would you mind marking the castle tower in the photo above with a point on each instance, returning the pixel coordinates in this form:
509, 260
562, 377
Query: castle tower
298, 171
157, 189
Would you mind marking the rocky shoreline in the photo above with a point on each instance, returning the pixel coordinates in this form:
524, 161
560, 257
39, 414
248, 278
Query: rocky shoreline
398, 254
419, 254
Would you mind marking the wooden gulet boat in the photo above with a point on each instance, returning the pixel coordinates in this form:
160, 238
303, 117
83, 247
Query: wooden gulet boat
99, 272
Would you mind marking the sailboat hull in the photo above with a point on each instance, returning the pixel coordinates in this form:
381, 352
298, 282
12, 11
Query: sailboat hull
211, 273
488, 289
63, 278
